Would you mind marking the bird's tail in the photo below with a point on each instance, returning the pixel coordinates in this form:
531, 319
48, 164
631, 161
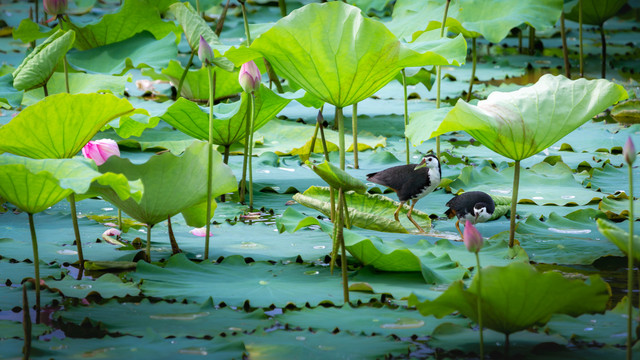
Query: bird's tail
450, 213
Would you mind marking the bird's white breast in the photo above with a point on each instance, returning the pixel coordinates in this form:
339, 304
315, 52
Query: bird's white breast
434, 181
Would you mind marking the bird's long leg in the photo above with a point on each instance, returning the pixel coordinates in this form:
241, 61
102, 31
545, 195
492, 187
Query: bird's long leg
395, 214
410, 218
458, 227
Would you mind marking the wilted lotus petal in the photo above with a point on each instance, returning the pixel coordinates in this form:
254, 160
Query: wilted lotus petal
200, 232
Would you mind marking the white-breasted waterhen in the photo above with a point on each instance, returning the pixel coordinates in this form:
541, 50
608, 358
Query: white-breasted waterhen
410, 182
475, 206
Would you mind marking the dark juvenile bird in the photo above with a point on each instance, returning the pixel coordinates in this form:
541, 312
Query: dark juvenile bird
475, 206
410, 182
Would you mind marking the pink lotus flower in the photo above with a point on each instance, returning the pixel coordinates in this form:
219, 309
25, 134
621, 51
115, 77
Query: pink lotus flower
100, 150
112, 232
55, 7
629, 151
472, 238
204, 52
201, 232
249, 77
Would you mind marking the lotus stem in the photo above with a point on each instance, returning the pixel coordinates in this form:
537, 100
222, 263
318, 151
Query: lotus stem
243, 181
343, 253
312, 145
565, 50
580, 37
184, 75
273, 77
26, 324
532, 40
438, 73
45, 89
172, 238
64, 59
604, 52
119, 219
480, 306
221, 19
514, 202
246, 21
283, 8
630, 270
198, 6
335, 244
36, 264
354, 125
148, 247
37, 10
340, 121
506, 346
406, 114
252, 118
212, 94
519, 41
76, 231
332, 194
474, 59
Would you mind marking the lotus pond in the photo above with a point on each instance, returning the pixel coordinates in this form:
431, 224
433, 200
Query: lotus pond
303, 257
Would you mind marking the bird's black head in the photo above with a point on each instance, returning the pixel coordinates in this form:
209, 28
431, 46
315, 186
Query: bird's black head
430, 161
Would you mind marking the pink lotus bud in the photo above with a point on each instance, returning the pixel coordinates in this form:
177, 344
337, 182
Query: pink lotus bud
112, 232
100, 150
201, 232
472, 238
204, 52
55, 7
629, 151
249, 77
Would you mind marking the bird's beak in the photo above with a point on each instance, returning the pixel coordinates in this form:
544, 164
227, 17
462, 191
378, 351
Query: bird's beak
421, 165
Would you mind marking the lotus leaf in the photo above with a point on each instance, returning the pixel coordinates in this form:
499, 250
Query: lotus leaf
107, 285
167, 319
618, 209
367, 211
29, 31
261, 282
522, 123
16, 273
196, 84
517, 296
9, 96
386, 321
79, 83
38, 66
141, 50
627, 112
133, 17
338, 178
229, 121
34, 185
13, 329
11, 298
72, 120
619, 237
364, 54
594, 12
172, 184
174, 141
611, 180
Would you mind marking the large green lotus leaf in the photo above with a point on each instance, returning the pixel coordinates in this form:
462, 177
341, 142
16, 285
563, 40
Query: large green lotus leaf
571, 239
72, 120
149, 347
34, 185
594, 12
194, 27
367, 211
368, 320
141, 50
473, 18
627, 112
9, 96
423, 123
196, 84
362, 53
11, 298
543, 184
322, 345
29, 31
610, 179
229, 120
601, 328
79, 83
441, 262
174, 141
619, 237
233, 282
167, 319
618, 209
15, 273
14, 329
338, 178
289, 138
517, 296
522, 123
133, 17
172, 184
38, 66
107, 285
